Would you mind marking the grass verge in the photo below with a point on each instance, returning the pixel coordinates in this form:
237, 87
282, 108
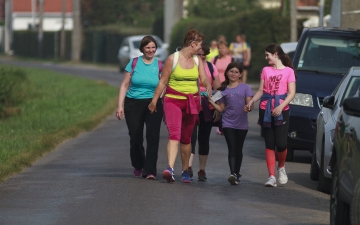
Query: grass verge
55, 107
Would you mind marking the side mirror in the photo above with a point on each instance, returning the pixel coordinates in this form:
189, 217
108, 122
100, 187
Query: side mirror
328, 102
125, 49
351, 106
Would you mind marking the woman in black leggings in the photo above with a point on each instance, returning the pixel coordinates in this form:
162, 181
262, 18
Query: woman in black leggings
276, 90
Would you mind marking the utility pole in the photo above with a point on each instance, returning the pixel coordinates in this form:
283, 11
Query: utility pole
62, 36
40, 29
293, 23
321, 13
8, 26
76, 34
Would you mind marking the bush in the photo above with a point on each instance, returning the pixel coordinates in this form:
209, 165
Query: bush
10, 88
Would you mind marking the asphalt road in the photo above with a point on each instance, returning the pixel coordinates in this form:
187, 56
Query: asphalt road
89, 180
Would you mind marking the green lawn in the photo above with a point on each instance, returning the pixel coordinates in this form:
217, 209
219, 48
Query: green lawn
54, 107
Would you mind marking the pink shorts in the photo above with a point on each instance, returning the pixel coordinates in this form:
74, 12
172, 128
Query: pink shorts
179, 123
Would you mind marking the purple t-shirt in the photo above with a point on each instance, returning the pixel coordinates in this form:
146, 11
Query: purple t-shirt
235, 100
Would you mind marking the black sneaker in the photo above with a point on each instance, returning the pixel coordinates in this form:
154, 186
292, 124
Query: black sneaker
238, 178
202, 175
190, 171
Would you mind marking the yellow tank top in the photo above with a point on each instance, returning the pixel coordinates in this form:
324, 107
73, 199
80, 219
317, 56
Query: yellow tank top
183, 80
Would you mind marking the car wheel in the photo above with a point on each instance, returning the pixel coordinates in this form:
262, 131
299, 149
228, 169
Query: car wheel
339, 211
355, 205
314, 168
290, 155
324, 182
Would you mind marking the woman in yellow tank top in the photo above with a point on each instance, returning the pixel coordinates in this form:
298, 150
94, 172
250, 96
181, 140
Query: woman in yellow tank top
181, 101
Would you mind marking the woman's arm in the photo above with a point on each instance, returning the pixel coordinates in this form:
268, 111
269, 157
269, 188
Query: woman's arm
165, 75
257, 95
219, 107
203, 78
290, 95
122, 92
246, 108
216, 83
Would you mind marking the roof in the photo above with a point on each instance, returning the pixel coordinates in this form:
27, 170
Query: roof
52, 6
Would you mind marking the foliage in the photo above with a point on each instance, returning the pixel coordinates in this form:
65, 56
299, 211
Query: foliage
142, 13
260, 26
219, 9
56, 107
10, 88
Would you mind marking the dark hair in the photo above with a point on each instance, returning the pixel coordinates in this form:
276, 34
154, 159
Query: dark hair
222, 43
205, 48
145, 41
285, 59
231, 65
192, 35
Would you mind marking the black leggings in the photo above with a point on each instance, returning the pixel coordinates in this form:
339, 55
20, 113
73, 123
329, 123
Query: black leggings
202, 135
275, 136
235, 141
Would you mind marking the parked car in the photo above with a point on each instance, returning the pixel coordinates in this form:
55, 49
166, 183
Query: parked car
289, 48
322, 57
345, 165
326, 122
129, 49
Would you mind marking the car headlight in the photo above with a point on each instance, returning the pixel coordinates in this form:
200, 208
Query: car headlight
303, 100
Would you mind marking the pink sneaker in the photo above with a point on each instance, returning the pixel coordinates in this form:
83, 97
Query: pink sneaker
137, 173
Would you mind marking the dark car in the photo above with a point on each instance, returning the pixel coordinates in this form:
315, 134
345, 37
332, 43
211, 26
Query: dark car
326, 122
322, 57
345, 166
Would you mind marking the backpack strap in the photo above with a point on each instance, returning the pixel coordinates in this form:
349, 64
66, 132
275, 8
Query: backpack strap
176, 60
215, 59
160, 66
211, 68
133, 64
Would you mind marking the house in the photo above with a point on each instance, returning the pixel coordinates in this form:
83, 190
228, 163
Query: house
25, 15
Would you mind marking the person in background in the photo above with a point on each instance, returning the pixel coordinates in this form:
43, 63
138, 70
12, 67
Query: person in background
202, 131
247, 59
276, 90
238, 49
221, 62
135, 94
214, 51
181, 101
236, 96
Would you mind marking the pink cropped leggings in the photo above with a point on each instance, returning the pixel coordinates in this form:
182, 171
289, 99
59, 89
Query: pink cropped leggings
179, 123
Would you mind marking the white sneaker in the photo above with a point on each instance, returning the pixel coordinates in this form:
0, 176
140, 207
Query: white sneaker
271, 182
283, 178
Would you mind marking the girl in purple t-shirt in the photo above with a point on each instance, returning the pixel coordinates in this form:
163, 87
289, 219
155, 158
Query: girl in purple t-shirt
236, 96
276, 90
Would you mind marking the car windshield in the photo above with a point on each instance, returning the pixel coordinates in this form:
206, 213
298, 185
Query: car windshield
332, 54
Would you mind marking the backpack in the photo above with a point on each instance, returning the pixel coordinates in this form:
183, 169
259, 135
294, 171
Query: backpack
216, 58
211, 68
133, 64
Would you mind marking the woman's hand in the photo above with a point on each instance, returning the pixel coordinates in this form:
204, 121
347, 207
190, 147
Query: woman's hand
152, 107
209, 90
249, 106
120, 113
277, 111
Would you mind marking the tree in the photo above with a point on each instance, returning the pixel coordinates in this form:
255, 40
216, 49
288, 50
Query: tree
219, 9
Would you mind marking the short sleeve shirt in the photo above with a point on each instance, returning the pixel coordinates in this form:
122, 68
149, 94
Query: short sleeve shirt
144, 80
221, 65
208, 73
276, 82
235, 100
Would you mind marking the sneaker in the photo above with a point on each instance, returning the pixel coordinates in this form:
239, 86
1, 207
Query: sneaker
202, 175
137, 173
283, 178
185, 177
168, 174
271, 182
232, 179
151, 177
191, 172
238, 178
